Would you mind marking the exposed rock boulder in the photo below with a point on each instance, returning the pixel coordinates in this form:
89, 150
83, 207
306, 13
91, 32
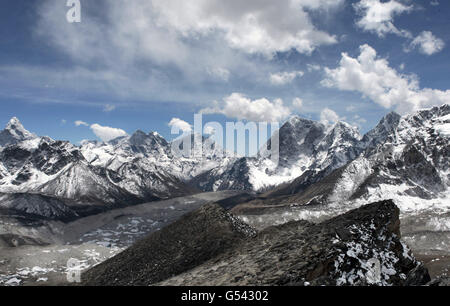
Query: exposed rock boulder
209, 247
194, 239
361, 247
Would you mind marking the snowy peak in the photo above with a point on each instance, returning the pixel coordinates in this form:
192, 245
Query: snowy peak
14, 133
343, 132
141, 141
385, 128
299, 136
16, 128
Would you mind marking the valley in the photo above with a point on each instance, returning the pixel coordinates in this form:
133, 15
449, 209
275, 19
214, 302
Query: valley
91, 202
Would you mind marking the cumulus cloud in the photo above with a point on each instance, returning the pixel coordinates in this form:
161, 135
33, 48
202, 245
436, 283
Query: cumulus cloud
434, 3
297, 103
283, 78
109, 108
328, 116
180, 124
158, 29
427, 43
378, 17
80, 123
313, 67
171, 50
374, 78
252, 26
238, 106
106, 133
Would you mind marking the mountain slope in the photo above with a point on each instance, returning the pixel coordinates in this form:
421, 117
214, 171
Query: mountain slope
408, 160
14, 133
42, 166
361, 247
306, 147
190, 241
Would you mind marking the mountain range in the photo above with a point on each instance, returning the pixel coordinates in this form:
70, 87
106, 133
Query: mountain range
402, 157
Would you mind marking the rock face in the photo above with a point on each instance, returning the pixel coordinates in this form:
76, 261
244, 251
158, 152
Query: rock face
361, 247
185, 244
406, 159
304, 145
403, 158
57, 180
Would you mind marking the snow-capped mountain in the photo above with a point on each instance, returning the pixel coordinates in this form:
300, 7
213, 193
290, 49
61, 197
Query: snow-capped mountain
405, 158
411, 165
141, 154
14, 133
57, 169
305, 147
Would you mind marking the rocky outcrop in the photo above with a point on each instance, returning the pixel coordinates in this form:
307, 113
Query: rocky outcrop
208, 247
440, 282
361, 247
194, 239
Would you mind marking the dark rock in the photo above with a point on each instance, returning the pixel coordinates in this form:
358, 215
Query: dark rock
418, 276
361, 247
195, 238
208, 247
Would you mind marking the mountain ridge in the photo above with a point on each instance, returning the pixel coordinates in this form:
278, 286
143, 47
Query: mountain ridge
141, 167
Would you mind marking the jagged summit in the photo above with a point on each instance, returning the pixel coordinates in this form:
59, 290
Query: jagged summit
150, 140
143, 165
14, 132
296, 120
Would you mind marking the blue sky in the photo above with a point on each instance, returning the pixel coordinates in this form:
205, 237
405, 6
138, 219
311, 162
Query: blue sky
138, 64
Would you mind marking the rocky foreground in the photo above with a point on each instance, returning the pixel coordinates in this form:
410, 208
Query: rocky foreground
211, 247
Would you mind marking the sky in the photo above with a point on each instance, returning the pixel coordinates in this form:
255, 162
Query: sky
152, 64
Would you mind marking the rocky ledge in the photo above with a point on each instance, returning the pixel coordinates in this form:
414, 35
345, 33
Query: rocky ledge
187, 243
211, 247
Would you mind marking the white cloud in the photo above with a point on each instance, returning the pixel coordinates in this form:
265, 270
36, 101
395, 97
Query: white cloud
374, 78
106, 133
297, 103
80, 123
328, 116
282, 78
171, 50
434, 3
359, 119
158, 29
378, 17
180, 124
219, 73
427, 43
252, 26
109, 108
238, 106
313, 67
